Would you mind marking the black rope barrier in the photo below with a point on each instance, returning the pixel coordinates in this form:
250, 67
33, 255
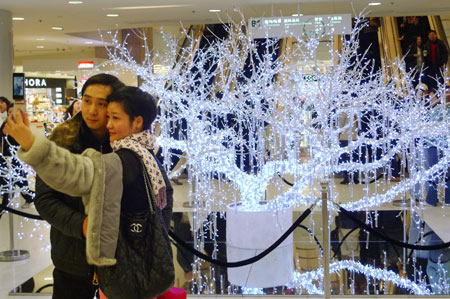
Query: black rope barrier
44, 287
312, 234
17, 212
420, 238
284, 180
180, 242
388, 239
362, 182
341, 242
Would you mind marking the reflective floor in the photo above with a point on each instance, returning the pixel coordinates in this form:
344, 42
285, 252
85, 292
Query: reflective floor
35, 273
30, 236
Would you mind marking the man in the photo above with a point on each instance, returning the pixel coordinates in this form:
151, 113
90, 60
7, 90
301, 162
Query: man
435, 55
73, 277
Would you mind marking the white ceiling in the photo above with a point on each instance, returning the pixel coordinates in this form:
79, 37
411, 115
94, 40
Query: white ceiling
82, 22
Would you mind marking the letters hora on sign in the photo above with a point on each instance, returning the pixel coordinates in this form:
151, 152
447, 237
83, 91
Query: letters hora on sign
35, 82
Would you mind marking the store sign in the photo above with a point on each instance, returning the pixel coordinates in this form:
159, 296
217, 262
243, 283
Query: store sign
35, 82
85, 64
316, 25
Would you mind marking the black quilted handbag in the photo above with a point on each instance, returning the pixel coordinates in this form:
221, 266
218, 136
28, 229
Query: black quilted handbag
144, 266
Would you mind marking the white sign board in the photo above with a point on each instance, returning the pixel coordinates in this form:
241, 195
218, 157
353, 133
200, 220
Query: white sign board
316, 25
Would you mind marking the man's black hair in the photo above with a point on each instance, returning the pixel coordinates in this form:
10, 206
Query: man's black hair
434, 31
7, 102
103, 79
136, 102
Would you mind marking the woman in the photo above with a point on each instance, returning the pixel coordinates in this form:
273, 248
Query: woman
73, 109
415, 59
112, 184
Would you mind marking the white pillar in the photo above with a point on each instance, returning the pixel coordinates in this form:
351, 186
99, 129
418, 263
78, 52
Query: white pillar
6, 54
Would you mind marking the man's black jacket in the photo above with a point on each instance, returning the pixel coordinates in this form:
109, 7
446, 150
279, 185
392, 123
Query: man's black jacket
441, 53
66, 213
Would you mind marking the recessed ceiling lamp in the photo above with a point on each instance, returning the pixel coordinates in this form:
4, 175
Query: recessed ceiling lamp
214, 10
57, 28
40, 38
40, 47
18, 19
112, 15
374, 3
88, 43
75, 2
297, 15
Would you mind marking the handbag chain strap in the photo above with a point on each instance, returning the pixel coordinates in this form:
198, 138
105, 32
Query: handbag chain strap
148, 189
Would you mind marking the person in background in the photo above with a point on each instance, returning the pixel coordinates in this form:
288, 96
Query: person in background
182, 228
4, 106
415, 59
435, 54
433, 153
438, 267
73, 109
408, 31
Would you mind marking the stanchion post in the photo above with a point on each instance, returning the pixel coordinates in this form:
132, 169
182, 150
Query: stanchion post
13, 254
326, 241
11, 231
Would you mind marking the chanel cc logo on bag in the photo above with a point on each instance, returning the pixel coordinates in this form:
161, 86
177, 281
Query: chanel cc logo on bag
136, 228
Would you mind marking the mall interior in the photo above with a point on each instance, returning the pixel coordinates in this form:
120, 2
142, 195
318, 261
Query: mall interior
267, 73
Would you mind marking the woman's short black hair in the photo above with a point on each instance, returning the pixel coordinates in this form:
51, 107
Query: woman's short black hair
136, 102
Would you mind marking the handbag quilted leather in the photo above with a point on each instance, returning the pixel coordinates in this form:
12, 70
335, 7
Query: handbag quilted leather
144, 266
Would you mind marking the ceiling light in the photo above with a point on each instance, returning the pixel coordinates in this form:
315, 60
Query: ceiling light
88, 43
40, 47
40, 38
18, 19
297, 15
57, 28
75, 2
148, 7
374, 3
214, 10
112, 15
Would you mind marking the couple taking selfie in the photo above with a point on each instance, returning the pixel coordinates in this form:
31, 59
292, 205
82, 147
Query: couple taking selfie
106, 196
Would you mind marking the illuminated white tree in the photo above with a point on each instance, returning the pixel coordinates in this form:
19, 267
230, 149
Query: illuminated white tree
245, 128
